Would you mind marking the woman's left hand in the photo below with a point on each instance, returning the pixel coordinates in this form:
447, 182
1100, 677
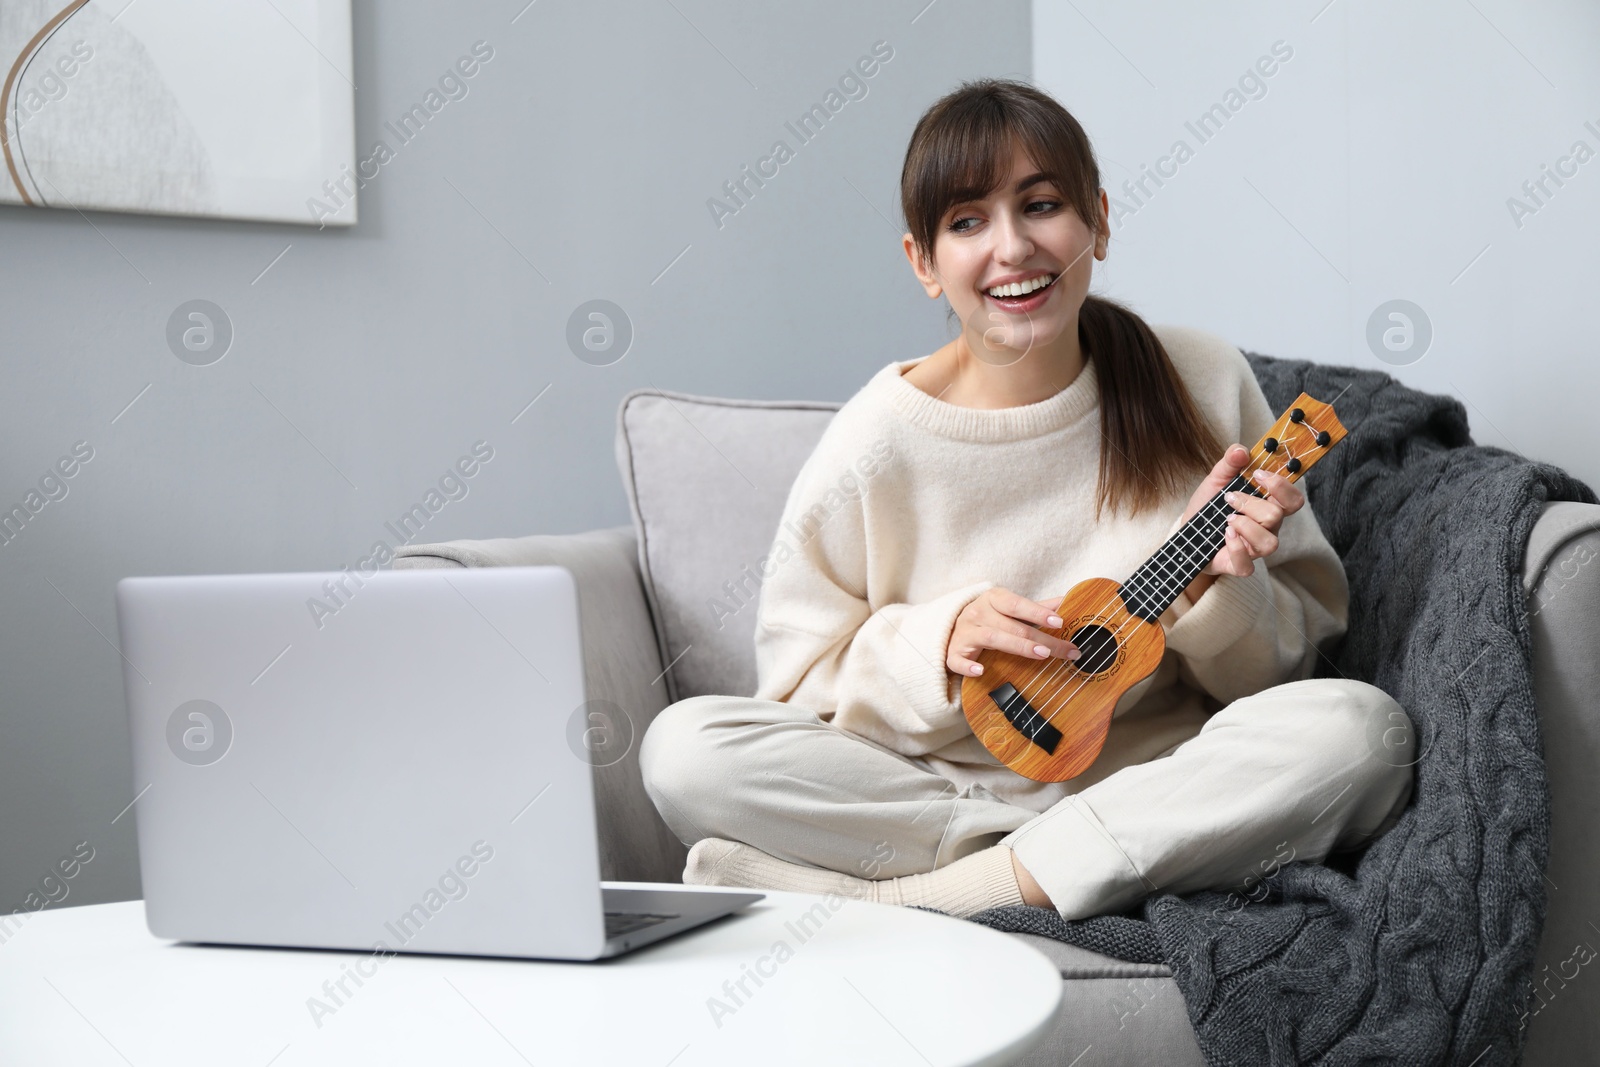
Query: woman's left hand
1252, 532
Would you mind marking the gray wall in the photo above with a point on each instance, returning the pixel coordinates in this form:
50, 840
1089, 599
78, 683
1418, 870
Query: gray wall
366, 361
1392, 155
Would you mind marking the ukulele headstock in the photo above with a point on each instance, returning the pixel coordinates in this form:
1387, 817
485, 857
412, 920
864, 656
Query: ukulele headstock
1301, 436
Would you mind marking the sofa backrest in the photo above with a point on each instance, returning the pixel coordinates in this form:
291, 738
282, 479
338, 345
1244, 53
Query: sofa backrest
707, 479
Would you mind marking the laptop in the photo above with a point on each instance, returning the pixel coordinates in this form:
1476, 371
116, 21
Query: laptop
400, 761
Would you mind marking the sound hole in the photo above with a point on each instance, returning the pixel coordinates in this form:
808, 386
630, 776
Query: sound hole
1097, 647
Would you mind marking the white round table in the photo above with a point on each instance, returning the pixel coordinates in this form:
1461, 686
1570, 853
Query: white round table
865, 983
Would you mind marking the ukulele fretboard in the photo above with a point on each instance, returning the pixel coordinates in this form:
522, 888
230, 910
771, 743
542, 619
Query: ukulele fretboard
1163, 577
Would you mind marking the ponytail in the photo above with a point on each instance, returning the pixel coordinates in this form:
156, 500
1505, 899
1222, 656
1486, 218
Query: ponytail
1153, 440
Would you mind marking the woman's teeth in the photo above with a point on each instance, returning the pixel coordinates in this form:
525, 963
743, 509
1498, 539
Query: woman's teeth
1021, 288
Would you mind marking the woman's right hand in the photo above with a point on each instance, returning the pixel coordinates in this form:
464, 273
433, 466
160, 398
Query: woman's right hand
1007, 622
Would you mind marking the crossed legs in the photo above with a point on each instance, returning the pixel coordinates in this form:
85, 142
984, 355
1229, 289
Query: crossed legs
1294, 771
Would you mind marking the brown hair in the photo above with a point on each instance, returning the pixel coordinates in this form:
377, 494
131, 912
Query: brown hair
958, 153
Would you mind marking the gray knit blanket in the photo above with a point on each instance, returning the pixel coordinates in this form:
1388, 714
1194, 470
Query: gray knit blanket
1415, 950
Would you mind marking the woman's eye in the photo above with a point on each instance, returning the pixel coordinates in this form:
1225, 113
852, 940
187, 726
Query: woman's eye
1048, 205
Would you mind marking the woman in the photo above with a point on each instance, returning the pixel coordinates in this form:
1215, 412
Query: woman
852, 769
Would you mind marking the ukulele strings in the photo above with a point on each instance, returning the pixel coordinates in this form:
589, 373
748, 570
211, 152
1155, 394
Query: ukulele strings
1211, 510
1065, 666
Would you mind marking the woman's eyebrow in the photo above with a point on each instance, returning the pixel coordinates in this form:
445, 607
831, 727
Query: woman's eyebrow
972, 196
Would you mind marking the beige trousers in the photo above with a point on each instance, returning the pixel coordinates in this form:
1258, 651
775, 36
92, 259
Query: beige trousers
1291, 773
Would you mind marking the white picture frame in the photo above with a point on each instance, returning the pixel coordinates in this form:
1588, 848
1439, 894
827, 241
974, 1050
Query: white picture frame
180, 107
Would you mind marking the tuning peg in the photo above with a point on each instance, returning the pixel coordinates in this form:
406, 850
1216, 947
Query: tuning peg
1297, 415
1323, 438
1270, 444
1293, 466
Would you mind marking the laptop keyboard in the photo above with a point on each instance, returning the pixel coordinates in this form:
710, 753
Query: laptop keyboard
623, 922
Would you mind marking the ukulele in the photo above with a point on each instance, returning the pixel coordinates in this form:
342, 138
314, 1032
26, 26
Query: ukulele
1047, 719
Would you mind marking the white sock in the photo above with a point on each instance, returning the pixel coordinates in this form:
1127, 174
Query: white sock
984, 879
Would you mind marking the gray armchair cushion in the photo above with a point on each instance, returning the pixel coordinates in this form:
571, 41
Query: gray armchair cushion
621, 667
706, 480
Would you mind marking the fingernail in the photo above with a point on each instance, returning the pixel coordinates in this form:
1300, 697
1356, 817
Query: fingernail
977, 668
1259, 474
1054, 620
1040, 650
1231, 497
1073, 653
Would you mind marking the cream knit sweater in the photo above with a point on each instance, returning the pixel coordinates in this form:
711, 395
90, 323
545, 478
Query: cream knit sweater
909, 507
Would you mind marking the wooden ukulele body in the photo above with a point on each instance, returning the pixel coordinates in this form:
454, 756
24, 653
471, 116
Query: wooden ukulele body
1047, 719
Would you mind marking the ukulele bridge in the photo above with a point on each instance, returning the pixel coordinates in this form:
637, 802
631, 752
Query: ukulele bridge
1021, 714
1097, 647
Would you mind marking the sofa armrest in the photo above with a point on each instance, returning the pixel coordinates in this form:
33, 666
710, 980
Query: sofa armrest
594, 546
1562, 577
622, 668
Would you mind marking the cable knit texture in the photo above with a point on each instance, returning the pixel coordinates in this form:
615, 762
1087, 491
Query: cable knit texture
910, 507
1419, 949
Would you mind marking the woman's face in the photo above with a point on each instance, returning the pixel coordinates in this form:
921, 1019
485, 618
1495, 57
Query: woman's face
1024, 231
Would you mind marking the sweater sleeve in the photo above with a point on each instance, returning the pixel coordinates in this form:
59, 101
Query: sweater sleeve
820, 644
1248, 633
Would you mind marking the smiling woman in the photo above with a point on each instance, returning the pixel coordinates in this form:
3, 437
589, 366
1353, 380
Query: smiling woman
1046, 221
1056, 439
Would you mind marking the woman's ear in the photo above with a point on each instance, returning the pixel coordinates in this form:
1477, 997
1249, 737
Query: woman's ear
930, 281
